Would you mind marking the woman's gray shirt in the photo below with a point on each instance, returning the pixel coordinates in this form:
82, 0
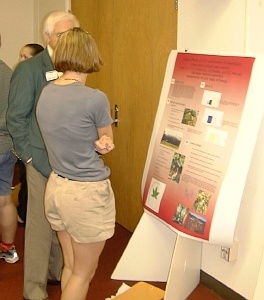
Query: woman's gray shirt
68, 117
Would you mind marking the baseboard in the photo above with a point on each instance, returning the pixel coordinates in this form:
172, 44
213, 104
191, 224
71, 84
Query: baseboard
218, 287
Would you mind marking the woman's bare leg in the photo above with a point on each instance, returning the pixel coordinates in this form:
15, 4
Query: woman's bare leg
81, 262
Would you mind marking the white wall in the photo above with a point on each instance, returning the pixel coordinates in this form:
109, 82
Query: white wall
16, 28
211, 26
21, 23
233, 26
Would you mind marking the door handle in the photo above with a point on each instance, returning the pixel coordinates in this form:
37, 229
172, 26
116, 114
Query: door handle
116, 115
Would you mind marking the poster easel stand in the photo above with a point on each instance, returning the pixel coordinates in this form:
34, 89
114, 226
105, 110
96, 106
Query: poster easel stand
156, 253
184, 274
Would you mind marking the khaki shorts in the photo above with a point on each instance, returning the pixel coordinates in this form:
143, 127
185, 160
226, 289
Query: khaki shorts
86, 210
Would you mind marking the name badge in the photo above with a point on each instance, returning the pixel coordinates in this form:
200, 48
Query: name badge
51, 75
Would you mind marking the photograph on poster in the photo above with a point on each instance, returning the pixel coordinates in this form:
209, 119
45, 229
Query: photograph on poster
215, 136
176, 167
201, 202
190, 117
155, 194
180, 214
213, 117
171, 138
195, 223
211, 98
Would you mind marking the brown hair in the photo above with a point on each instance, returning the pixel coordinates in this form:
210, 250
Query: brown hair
35, 48
76, 51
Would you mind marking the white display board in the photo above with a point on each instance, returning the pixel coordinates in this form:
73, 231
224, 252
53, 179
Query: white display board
202, 143
141, 260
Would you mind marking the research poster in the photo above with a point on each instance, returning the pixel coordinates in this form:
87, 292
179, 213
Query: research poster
194, 140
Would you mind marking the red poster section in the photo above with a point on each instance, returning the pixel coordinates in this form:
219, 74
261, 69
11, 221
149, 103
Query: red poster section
195, 139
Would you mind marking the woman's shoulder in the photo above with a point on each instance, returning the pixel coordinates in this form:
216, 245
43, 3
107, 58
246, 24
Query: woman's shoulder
97, 93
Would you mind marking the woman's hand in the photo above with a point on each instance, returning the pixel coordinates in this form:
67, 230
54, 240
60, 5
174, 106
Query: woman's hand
104, 144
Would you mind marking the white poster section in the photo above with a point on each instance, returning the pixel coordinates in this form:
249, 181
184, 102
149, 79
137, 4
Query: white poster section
168, 249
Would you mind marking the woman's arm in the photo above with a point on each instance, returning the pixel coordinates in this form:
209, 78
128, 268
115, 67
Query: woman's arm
105, 142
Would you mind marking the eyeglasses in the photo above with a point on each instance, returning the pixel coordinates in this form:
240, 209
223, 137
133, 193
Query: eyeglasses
58, 34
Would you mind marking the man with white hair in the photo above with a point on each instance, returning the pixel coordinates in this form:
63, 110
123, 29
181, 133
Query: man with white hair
43, 258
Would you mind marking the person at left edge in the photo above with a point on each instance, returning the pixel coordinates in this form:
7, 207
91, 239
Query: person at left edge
8, 214
42, 252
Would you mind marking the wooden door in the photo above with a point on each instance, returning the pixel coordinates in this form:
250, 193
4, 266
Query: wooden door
135, 38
